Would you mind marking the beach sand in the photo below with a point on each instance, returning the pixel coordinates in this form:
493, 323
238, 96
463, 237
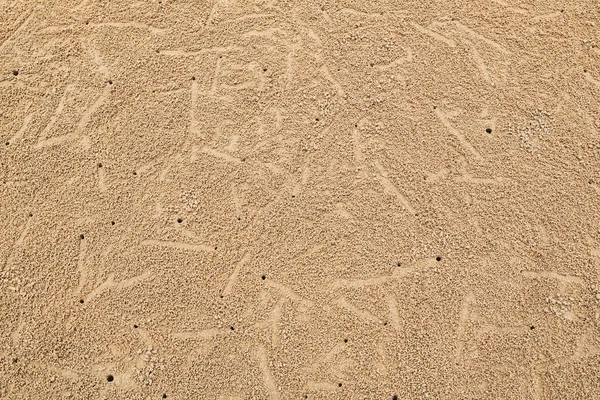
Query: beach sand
272, 199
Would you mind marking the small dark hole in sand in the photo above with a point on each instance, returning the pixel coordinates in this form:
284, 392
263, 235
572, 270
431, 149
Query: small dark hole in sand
216, 247
193, 78
110, 82
135, 173
179, 220
164, 396
394, 397
135, 326
585, 70
112, 222
81, 301
110, 378
7, 143
81, 236
263, 277
31, 214
264, 70
339, 385
293, 196
385, 324
532, 327
232, 328
399, 264
489, 130
99, 165
243, 159
345, 340
87, 22
435, 107
317, 119
438, 259
221, 296
15, 72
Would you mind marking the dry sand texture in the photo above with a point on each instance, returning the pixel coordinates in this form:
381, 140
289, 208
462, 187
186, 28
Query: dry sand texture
272, 199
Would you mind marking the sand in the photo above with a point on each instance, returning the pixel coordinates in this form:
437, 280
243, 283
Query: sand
272, 199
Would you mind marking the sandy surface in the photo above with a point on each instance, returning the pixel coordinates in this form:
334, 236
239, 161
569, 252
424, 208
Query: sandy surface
279, 200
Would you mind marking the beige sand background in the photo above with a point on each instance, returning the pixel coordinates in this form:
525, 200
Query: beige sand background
272, 199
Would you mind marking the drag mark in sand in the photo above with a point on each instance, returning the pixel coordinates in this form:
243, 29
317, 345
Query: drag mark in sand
464, 316
457, 134
194, 128
510, 8
389, 188
548, 16
484, 39
297, 190
261, 356
361, 314
221, 155
21, 26
359, 157
397, 62
289, 293
272, 323
468, 178
582, 351
87, 115
359, 283
23, 129
398, 273
57, 113
340, 91
203, 334
18, 242
246, 18
480, 63
329, 356
434, 35
290, 68
361, 14
83, 122
393, 306
81, 267
110, 283
102, 179
553, 275
206, 50
588, 77
136, 25
178, 245
314, 386
235, 274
